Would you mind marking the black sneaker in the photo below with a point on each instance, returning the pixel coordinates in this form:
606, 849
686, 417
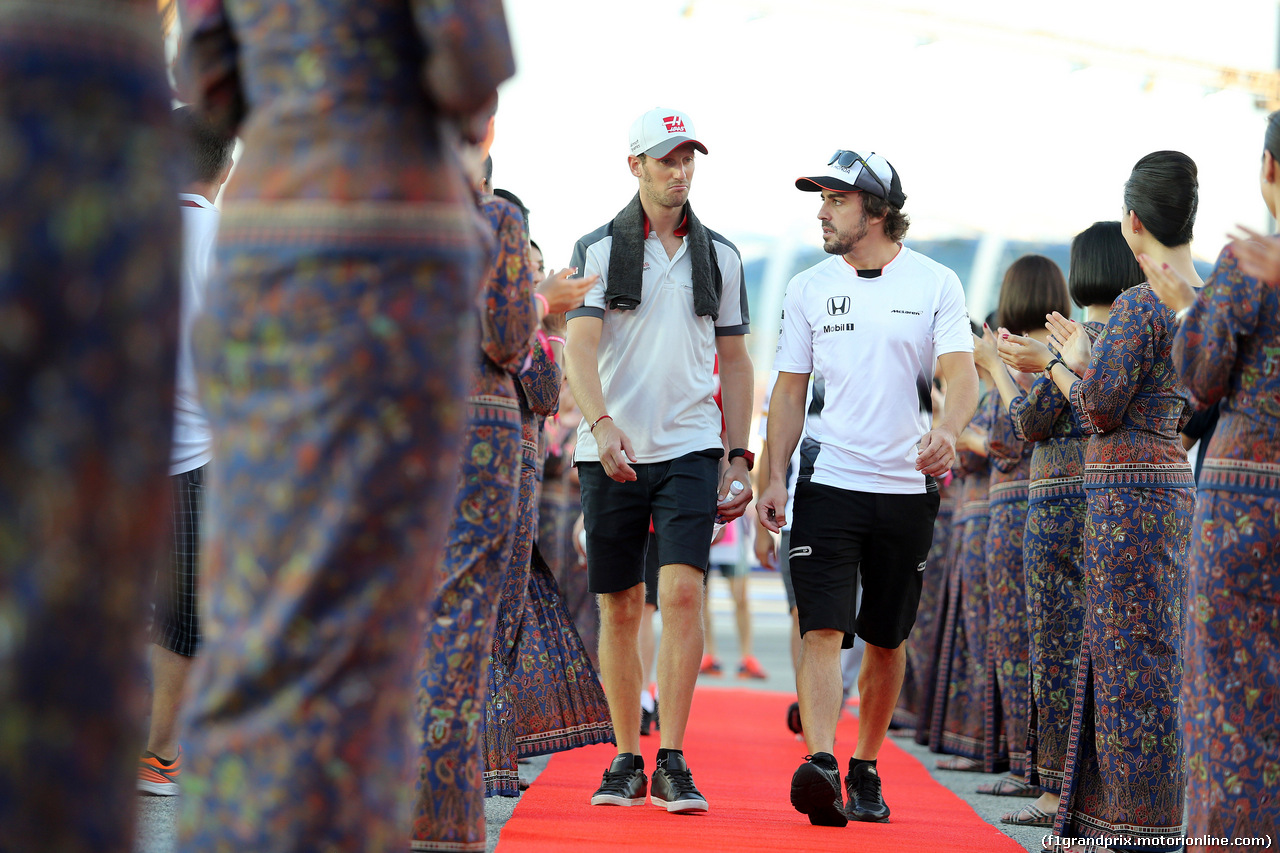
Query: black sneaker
646, 720
673, 786
865, 800
793, 719
815, 790
624, 783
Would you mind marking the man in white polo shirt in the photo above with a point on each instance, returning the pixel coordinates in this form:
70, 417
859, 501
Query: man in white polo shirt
873, 320
640, 356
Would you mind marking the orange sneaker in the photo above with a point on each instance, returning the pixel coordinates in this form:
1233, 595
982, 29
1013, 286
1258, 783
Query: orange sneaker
156, 777
751, 668
710, 666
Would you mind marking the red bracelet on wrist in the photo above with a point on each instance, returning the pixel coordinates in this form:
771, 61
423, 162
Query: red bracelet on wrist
598, 420
546, 306
556, 339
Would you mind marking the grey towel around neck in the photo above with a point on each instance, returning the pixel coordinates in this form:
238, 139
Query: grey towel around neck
626, 262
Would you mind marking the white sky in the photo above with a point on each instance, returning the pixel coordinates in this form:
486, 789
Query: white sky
995, 115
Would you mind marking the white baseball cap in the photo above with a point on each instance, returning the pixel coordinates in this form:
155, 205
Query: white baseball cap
660, 130
856, 171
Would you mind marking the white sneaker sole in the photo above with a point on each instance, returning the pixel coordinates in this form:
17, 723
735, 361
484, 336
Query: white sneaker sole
611, 800
679, 806
159, 789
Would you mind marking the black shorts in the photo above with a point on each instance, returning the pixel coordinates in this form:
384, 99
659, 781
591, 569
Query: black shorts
651, 570
679, 495
835, 530
177, 622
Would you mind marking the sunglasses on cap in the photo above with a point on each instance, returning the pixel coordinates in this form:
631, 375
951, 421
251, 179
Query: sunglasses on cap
846, 159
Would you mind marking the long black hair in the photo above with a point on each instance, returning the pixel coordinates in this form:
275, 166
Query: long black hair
1164, 191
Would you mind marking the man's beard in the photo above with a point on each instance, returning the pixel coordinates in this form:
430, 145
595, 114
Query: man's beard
844, 243
662, 198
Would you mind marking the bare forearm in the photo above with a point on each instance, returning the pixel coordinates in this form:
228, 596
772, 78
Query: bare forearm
1009, 390
583, 372
961, 402
737, 378
786, 421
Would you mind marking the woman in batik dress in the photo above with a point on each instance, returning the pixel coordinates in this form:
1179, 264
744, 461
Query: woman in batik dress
458, 636
916, 698
1227, 349
1033, 287
544, 695
333, 361
1124, 772
88, 332
958, 725
1053, 548
558, 510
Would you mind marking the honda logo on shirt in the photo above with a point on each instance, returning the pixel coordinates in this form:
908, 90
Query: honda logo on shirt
674, 124
838, 305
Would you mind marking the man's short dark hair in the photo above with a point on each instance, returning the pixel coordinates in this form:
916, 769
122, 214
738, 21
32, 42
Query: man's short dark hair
1102, 265
1033, 288
205, 151
896, 222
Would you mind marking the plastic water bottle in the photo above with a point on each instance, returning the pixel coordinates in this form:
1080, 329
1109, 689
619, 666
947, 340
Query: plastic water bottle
735, 489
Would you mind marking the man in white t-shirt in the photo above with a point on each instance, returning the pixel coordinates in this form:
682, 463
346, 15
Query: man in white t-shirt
640, 358
872, 320
206, 164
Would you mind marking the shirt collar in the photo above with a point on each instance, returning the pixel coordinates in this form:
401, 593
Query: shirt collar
682, 230
196, 200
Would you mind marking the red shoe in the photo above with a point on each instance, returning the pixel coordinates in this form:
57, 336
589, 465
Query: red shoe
157, 778
710, 666
751, 668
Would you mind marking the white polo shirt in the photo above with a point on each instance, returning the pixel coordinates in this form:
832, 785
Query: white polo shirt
873, 340
656, 361
192, 439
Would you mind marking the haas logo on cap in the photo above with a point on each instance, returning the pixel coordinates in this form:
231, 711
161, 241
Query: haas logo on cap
675, 124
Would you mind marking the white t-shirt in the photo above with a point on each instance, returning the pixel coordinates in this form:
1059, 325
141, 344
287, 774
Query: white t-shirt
874, 340
192, 440
656, 361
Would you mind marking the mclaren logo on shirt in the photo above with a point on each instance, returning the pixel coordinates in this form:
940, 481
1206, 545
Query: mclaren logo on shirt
838, 306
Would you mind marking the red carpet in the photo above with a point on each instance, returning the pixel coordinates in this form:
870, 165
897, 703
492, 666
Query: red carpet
742, 757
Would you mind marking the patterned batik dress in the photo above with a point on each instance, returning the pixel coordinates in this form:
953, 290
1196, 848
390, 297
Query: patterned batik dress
1124, 769
448, 811
333, 361
1228, 349
916, 698
1008, 640
88, 328
1053, 557
544, 695
558, 511
958, 724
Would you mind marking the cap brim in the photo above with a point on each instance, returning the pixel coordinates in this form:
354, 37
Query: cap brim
666, 146
825, 182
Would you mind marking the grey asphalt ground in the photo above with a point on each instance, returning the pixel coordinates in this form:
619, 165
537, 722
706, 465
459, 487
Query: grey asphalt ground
157, 816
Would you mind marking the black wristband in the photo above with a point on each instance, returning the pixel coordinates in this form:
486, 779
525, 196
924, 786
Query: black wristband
745, 454
1048, 368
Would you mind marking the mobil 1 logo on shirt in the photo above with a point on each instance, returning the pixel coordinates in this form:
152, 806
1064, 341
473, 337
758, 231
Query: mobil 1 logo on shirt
838, 306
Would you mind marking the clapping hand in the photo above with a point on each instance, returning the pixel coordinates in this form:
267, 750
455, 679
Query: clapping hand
1071, 340
984, 350
1025, 355
1258, 254
564, 293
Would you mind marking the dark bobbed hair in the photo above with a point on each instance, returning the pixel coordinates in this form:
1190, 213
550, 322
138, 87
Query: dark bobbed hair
206, 152
514, 199
896, 222
488, 170
1033, 288
1271, 143
1164, 191
1102, 265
